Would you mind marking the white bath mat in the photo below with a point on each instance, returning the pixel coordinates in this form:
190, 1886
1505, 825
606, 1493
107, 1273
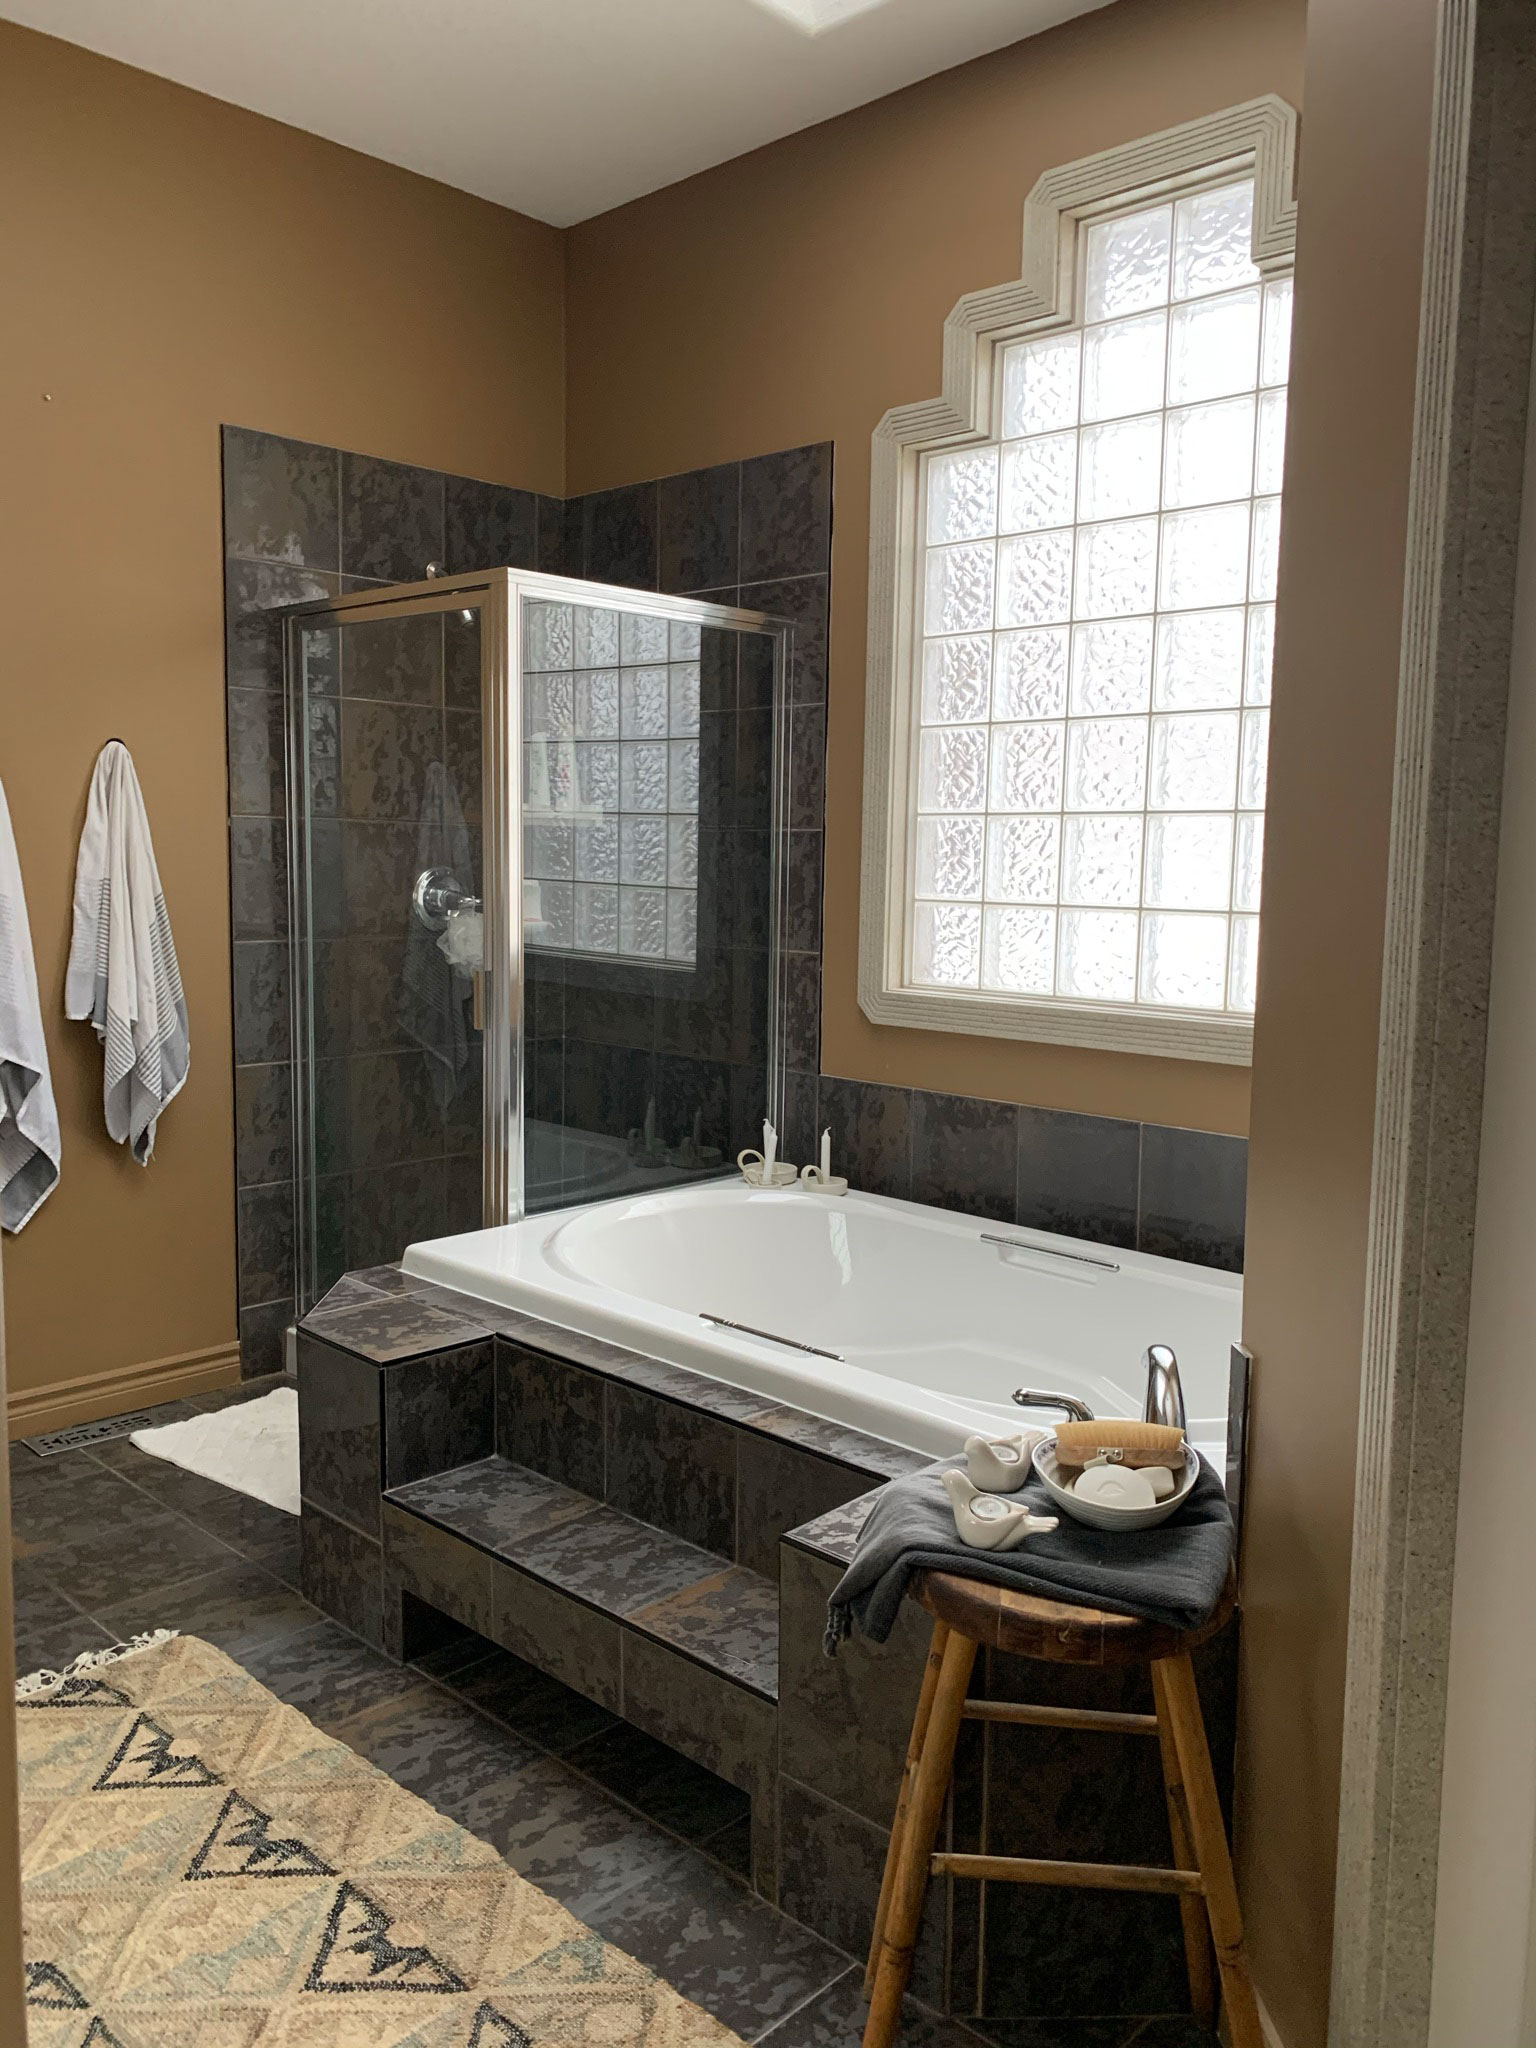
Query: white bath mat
253, 1447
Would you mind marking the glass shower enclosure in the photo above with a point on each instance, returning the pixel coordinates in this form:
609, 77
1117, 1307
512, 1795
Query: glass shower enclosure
535, 902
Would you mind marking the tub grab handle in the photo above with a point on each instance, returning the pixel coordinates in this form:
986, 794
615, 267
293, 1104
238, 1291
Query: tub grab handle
771, 1337
1049, 1251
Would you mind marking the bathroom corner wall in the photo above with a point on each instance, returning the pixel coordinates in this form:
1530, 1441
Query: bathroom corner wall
175, 263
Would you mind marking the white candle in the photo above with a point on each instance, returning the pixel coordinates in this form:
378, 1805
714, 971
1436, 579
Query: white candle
770, 1151
826, 1154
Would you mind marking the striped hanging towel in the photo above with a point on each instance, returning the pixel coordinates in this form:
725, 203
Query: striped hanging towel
122, 960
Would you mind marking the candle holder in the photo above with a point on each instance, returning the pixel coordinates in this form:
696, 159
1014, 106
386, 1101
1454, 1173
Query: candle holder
823, 1183
751, 1165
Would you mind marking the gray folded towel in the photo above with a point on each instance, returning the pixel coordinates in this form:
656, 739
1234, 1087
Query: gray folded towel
1172, 1574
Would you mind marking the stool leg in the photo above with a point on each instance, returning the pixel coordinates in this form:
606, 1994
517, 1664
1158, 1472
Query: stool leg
904, 1796
905, 1906
1197, 1932
1178, 1692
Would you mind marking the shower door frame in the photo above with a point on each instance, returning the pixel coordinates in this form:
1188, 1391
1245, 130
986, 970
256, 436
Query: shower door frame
497, 595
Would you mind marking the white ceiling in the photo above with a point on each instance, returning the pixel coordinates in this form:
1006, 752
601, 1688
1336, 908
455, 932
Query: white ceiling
560, 108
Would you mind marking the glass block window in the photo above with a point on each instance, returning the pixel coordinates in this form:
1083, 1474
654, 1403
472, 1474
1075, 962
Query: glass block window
1097, 609
610, 783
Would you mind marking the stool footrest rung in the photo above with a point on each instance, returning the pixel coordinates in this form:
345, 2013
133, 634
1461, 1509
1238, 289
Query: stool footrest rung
1101, 1877
1027, 1715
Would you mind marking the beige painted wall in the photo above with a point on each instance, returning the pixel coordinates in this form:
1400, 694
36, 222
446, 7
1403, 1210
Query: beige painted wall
171, 263
797, 293
1353, 366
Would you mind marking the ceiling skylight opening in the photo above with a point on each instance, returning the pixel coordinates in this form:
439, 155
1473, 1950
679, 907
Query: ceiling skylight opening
813, 17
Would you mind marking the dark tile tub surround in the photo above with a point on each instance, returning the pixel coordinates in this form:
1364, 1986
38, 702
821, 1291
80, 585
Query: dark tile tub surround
304, 522
682, 1587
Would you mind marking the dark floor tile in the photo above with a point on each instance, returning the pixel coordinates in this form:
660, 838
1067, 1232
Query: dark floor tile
1078, 1175
721, 1946
55, 1649
248, 1526
146, 1548
732, 1847
326, 1673
584, 1848
1111, 2032
444, 1752
837, 2018
676, 1794
965, 1154
523, 1699
235, 1609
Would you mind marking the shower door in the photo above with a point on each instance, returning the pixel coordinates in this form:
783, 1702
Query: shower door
533, 856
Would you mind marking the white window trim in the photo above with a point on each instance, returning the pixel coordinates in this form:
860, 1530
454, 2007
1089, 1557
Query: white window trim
1257, 137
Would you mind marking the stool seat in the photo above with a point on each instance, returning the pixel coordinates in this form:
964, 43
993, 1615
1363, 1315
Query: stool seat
1052, 1631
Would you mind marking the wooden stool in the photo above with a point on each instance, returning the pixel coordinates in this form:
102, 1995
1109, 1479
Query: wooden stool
968, 1614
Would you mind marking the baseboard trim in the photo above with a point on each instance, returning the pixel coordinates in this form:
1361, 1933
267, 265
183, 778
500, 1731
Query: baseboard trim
30, 1410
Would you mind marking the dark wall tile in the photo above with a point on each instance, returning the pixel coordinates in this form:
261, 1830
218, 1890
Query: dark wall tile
341, 1573
263, 1125
693, 1101
463, 758
439, 1413
729, 1621
830, 1865
265, 1217
258, 878
965, 1154
719, 1725
1194, 1191
392, 1207
394, 661
802, 1012
392, 1109
549, 1416
801, 1134
555, 1635
280, 499
779, 1486
462, 684
1078, 1175
786, 513
340, 1433
802, 891
378, 868
807, 766
611, 1005
619, 536
261, 1338
844, 1720
386, 750
444, 1571
559, 536
488, 526
699, 528
672, 1467
802, 599
607, 1087
391, 519
253, 635
261, 994
871, 1134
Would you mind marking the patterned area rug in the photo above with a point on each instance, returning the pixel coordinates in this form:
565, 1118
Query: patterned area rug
202, 1868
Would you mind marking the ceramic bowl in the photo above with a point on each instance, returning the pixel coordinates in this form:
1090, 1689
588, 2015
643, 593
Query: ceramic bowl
1094, 1513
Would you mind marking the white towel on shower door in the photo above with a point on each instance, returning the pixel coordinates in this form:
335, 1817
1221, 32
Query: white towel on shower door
123, 973
29, 1118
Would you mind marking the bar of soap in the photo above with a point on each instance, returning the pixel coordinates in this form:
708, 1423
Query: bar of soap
1116, 1486
1163, 1481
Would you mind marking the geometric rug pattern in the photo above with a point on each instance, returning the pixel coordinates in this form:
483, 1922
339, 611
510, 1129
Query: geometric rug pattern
203, 1868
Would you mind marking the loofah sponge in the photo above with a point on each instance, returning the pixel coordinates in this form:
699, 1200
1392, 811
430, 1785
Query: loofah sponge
1139, 1443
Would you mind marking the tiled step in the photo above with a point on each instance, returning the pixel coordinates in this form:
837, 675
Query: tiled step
721, 1616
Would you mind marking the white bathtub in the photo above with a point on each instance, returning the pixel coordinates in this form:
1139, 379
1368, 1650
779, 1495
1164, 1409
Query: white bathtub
921, 1323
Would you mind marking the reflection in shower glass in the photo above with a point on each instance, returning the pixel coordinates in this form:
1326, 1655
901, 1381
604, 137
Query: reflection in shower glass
611, 783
